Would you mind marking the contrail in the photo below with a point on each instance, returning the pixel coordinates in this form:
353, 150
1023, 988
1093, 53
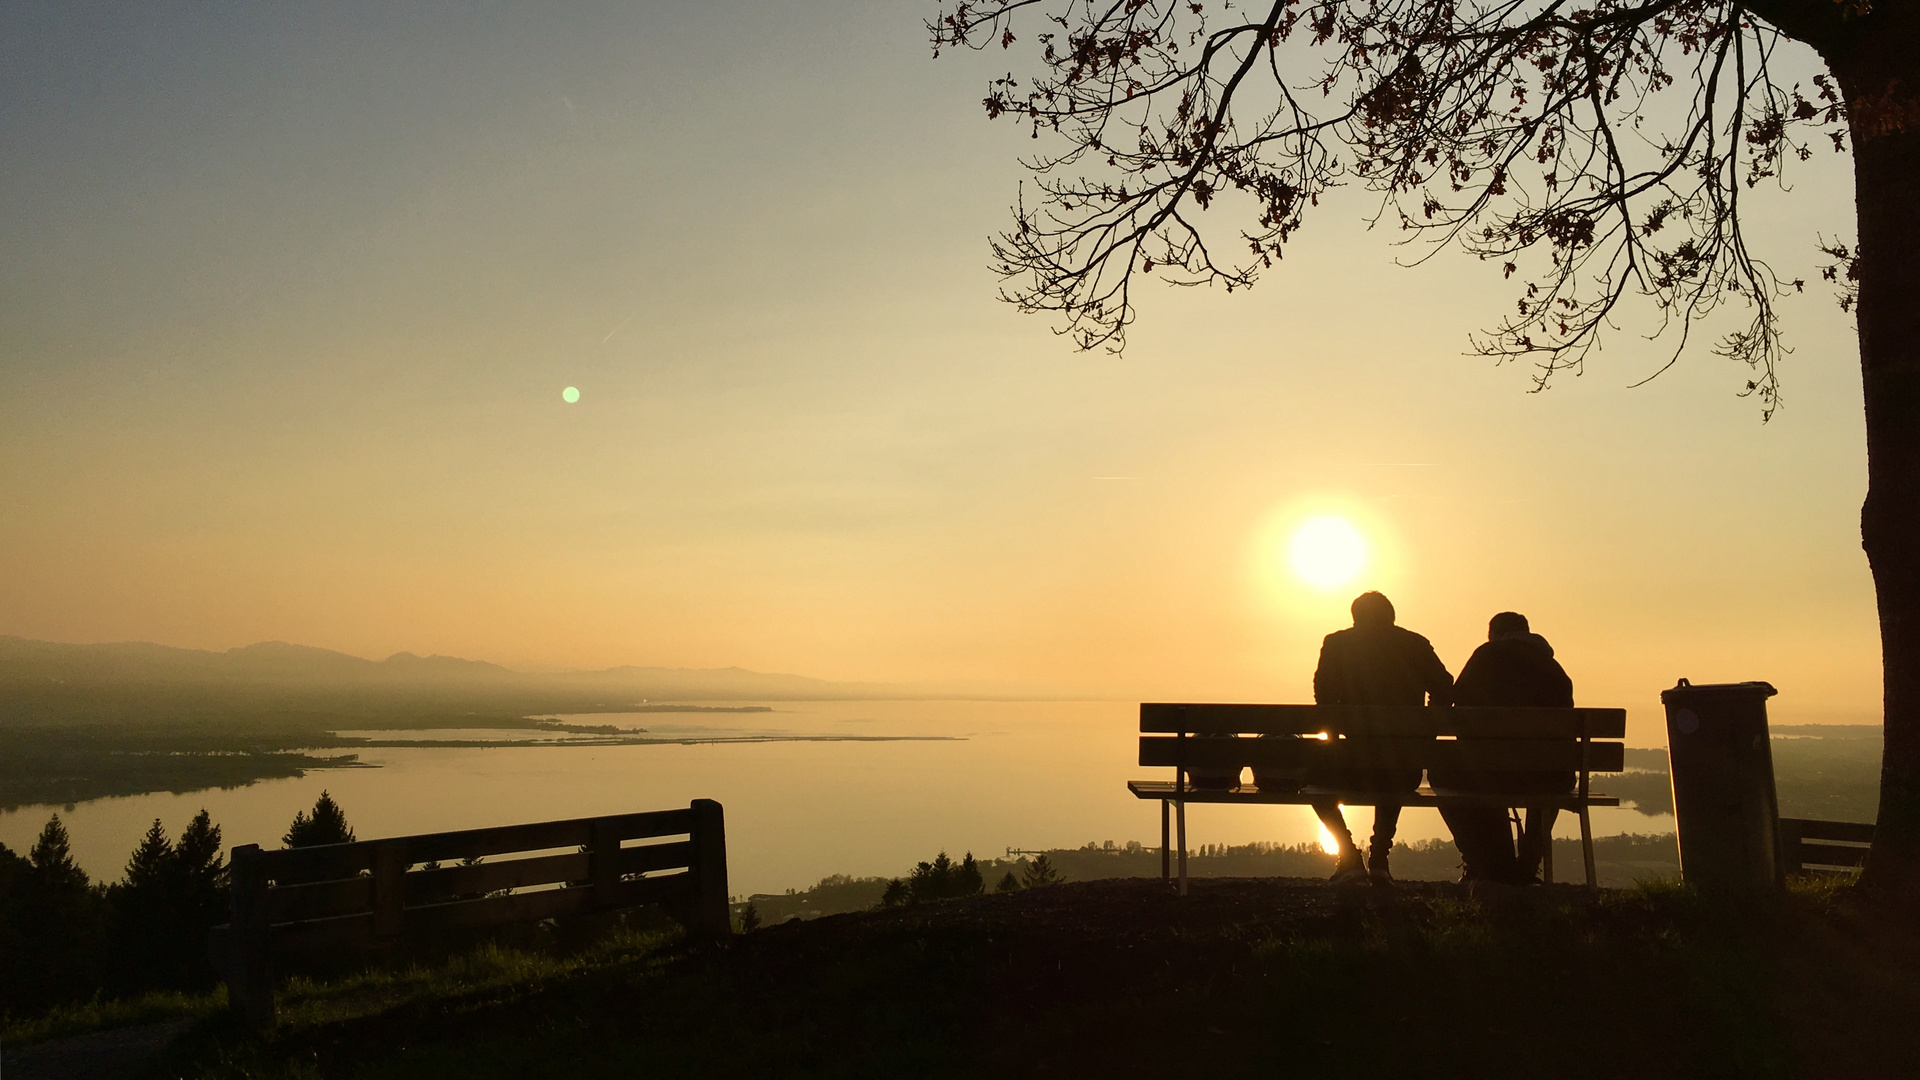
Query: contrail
615, 330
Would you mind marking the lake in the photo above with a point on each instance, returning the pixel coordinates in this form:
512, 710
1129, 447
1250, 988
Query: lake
1001, 774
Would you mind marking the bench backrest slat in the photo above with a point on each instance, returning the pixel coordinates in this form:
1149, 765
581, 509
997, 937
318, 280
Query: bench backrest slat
1480, 755
1477, 721
331, 861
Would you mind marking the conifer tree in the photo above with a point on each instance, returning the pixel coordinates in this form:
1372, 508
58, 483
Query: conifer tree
52, 859
326, 825
1041, 872
199, 858
150, 869
61, 923
173, 893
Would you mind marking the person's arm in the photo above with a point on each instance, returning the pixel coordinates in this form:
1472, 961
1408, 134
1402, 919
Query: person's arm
1561, 686
1434, 673
1325, 679
1470, 688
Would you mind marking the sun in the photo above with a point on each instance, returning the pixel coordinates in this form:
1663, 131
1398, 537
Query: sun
1328, 551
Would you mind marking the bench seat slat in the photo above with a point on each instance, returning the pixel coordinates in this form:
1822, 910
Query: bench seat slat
1489, 755
1255, 719
1424, 796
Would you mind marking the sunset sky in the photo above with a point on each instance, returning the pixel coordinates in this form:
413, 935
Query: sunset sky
292, 292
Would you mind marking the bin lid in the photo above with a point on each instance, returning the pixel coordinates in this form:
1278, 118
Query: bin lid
1685, 689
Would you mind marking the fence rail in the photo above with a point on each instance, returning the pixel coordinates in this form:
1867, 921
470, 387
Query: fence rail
374, 893
1806, 844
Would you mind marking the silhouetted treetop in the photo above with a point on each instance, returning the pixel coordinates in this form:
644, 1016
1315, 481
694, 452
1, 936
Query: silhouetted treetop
52, 859
326, 825
152, 863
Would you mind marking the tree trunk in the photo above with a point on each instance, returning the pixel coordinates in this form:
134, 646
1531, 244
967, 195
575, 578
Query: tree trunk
1881, 82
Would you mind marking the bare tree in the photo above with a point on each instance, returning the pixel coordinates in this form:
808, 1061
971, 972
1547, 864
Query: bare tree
1596, 150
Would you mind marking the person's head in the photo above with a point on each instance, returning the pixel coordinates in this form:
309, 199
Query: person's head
1370, 609
1507, 624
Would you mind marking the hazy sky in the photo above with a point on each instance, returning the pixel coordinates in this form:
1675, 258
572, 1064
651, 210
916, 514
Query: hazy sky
291, 292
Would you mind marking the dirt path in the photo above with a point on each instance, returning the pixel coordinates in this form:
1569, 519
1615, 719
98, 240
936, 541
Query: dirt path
103, 1055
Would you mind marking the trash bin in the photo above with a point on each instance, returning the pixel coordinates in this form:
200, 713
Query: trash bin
1723, 798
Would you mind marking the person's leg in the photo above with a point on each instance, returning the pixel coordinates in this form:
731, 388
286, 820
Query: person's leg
1535, 838
1386, 822
1347, 864
1469, 836
1485, 843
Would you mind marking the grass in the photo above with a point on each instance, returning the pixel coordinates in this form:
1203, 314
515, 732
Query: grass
488, 971
101, 1014
1244, 977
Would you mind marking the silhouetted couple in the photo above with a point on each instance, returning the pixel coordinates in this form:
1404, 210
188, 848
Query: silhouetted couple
1379, 664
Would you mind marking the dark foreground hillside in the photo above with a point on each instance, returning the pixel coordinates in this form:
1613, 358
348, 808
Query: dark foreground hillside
1118, 978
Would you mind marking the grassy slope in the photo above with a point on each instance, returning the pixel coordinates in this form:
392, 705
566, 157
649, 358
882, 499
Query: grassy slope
1244, 977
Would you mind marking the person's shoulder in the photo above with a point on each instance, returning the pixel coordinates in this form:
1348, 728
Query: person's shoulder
1411, 638
1486, 652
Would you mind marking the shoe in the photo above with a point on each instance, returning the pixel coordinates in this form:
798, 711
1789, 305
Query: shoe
1377, 871
1349, 870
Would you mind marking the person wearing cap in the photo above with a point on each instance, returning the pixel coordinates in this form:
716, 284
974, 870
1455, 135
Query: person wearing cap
1379, 664
1515, 668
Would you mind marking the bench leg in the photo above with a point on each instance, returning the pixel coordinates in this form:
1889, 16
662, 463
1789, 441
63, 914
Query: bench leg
1166, 842
1180, 811
1586, 847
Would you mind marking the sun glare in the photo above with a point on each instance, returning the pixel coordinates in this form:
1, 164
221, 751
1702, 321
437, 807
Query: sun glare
1328, 551
570, 395
1327, 843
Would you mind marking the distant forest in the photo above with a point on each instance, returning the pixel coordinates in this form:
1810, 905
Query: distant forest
1620, 860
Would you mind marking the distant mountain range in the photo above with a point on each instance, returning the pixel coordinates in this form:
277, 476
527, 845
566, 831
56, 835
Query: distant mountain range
44, 682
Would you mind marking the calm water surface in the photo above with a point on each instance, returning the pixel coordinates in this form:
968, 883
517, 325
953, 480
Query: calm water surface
1015, 774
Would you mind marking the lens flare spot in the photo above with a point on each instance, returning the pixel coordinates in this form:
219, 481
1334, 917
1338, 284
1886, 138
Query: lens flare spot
1328, 551
570, 395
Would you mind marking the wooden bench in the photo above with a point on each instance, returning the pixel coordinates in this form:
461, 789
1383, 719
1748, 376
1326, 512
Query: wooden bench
1823, 845
375, 893
1483, 740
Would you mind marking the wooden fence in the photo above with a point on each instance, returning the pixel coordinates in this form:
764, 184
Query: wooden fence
375, 893
1823, 845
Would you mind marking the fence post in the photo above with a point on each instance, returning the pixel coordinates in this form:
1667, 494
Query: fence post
603, 864
389, 889
250, 978
709, 914
1790, 852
